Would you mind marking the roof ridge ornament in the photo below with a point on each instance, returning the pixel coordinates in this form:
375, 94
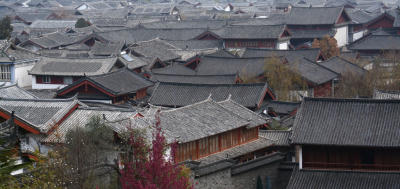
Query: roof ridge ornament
229, 97
209, 97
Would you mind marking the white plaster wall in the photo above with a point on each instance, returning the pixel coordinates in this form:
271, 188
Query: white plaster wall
83, 7
358, 35
21, 74
45, 86
284, 45
341, 36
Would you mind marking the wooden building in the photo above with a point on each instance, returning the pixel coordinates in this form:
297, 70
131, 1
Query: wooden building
55, 73
115, 87
254, 36
210, 127
308, 23
251, 96
356, 136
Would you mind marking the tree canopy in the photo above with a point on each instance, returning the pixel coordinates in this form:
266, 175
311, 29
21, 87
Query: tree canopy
5, 28
283, 79
81, 23
328, 46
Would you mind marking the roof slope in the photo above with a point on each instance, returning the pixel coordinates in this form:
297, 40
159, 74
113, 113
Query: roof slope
179, 94
279, 138
377, 41
343, 179
143, 34
311, 34
282, 107
73, 67
342, 66
41, 114
348, 122
250, 32
312, 71
155, 48
81, 116
195, 79
196, 44
228, 66
254, 119
174, 69
107, 49
199, 120
311, 54
236, 151
53, 24
119, 82
13, 91
313, 15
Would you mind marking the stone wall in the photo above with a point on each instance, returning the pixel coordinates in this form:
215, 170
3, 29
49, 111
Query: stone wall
278, 178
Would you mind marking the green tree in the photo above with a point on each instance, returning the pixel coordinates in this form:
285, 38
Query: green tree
9, 153
5, 28
81, 23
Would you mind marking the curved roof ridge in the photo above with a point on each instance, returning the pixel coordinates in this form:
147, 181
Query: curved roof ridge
366, 100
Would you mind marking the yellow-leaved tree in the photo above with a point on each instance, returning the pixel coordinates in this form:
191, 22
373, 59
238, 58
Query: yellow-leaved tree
328, 46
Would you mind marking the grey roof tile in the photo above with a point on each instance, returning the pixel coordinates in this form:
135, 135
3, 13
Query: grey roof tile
254, 119
377, 42
180, 94
313, 15
196, 79
174, 69
188, 24
73, 67
312, 71
250, 32
116, 118
199, 120
107, 49
279, 138
119, 82
15, 92
310, 34
281, 107
311, 54
342, 66
196, 44
40, 114
138, 34
225, 66
53, 24
239, 150
343, 179
348, 122
155, 48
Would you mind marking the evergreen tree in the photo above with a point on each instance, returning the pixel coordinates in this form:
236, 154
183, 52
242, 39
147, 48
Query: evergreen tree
5, 28
81, 23
8, 153
259, 183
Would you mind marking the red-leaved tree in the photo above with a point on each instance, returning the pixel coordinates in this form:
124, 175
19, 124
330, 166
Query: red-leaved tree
148, 169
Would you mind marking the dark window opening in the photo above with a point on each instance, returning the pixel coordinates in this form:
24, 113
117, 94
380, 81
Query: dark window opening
367, 157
